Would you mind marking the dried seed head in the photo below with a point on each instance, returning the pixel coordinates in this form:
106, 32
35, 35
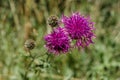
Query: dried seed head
53, 21
29, 44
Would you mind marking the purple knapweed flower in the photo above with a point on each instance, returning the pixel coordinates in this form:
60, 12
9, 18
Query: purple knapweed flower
80, 29
58, 41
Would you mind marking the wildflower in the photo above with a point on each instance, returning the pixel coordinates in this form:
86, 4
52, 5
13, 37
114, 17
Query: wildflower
58, 41
53, 21
29, 44
80, 29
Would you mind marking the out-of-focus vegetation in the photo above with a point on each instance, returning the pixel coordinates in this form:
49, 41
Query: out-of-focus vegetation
24, 19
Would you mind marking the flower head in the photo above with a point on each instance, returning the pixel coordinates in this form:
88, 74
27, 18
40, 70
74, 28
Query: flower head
58, 41
80, 28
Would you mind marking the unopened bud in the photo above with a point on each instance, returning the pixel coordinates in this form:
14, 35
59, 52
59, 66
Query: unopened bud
29, 44
53, 21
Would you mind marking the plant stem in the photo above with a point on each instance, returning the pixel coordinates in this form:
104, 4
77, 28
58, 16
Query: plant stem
33, 58
48, 56
41, 55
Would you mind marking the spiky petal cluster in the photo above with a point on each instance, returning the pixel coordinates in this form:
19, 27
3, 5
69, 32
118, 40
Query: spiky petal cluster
58, 41
80, 28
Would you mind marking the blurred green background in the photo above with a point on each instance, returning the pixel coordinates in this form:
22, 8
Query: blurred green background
24, 19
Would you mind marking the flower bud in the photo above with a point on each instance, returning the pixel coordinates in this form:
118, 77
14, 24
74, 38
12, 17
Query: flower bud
29, 44
53, 21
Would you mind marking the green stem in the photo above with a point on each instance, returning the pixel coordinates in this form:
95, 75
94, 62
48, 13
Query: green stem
41, 55
33, 58
48, 56
30, 55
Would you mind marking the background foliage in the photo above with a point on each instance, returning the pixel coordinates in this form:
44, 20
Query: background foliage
23, 19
